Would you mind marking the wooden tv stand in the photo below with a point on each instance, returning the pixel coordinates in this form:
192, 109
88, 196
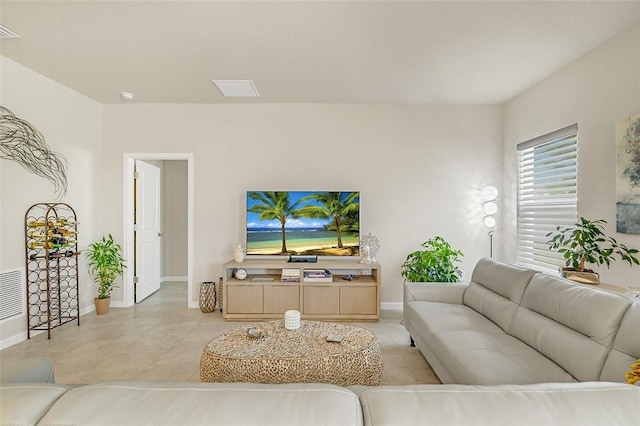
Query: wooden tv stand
262, 296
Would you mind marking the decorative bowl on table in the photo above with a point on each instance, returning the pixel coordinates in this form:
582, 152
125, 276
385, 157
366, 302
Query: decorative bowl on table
256, 333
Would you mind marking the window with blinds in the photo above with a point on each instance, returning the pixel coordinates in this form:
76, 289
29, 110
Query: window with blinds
547, 194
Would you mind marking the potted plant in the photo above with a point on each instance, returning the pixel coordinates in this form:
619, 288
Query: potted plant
586, 242
633, 376
436, 263
105, 265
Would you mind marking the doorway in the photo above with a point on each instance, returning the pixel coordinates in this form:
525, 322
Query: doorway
129, 203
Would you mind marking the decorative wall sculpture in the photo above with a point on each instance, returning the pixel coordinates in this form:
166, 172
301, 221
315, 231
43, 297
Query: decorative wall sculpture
628, 175
23, 143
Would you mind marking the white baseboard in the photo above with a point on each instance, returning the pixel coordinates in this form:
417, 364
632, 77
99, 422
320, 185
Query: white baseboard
16, 338
113, 304
163, 279
87, 310
392, 306
22, 336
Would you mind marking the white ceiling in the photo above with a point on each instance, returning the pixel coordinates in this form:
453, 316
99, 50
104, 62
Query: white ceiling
308, 51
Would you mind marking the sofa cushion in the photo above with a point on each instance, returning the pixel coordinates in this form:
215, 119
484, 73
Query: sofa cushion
496, 289
476, 357
571, 324
540, 404
626, 347
173, 403
429, 318
26, 403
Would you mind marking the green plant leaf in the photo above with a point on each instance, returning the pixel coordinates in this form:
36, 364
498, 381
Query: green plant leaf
586, 242
436, 263
105, 264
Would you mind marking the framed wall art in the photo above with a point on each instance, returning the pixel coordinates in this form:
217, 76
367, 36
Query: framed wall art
628, 175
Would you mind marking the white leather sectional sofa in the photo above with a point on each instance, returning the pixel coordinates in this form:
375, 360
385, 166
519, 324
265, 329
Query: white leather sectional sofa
507, 334
511, 325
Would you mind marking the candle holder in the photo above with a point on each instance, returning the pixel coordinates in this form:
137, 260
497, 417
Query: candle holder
292, 320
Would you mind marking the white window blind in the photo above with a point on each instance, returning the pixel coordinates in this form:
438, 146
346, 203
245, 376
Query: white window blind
547, 194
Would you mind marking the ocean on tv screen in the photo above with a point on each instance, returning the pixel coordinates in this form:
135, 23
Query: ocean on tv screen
303, 241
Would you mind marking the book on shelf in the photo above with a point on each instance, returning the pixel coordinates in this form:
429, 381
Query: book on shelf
291, 275
317, 275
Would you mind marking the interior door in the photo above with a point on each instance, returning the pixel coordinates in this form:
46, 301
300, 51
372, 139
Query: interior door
148, 234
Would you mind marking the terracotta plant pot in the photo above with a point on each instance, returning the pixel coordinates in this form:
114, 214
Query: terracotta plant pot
582, 277
102, 305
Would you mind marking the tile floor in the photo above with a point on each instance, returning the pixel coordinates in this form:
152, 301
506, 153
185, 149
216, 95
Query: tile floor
161, 339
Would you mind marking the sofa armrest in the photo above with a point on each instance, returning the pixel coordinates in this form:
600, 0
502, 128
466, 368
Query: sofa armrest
435, 292
27, 370
23, 404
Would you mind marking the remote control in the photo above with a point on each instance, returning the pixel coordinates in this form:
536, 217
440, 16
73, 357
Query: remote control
334, 338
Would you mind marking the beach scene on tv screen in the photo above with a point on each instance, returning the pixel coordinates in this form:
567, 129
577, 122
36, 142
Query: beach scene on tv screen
320, 223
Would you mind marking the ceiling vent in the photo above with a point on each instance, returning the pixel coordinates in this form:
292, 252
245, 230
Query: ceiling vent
7, 33
237, 88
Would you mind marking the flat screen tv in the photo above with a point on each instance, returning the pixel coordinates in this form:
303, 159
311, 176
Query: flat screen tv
321, 223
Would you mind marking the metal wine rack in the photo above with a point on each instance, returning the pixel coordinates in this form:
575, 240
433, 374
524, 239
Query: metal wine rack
51, 247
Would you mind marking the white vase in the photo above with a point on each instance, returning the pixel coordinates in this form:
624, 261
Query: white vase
366, 255
238, 253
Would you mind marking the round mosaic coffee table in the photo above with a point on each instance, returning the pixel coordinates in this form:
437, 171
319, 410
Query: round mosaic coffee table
294, 356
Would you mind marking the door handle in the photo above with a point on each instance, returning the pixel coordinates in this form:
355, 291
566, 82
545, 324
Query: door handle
160, 234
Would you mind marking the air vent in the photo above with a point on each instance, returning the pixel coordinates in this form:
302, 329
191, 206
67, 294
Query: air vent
7, 33
11, 293
237, 88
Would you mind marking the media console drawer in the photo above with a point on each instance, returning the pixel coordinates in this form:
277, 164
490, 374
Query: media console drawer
321, 300
358, 300
278, 299
244, 299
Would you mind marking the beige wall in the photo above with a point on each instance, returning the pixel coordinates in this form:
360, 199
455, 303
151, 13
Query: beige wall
595, 91
71, 125
174, 218
418, 169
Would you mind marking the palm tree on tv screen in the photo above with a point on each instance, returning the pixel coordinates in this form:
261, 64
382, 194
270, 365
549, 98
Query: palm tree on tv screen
341, 210
275, 205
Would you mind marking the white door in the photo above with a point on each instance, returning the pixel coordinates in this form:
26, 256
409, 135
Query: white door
148, 234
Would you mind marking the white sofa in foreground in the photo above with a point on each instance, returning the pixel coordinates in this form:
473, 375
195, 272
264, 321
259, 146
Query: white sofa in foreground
511, 325
181, 403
